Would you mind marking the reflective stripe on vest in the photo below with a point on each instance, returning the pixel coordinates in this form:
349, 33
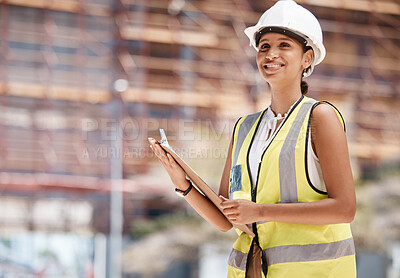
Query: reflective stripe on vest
238, 259
287, 160
298, 253
282, 178
309, 252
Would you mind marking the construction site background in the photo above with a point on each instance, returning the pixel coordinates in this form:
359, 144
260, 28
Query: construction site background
83, 84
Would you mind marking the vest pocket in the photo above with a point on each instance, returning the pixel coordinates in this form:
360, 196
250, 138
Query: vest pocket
236, 178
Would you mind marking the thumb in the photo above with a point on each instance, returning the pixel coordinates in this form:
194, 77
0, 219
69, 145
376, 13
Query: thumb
223, 198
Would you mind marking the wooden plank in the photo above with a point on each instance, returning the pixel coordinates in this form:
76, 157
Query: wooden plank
351, 60
228, 70
95, 39
61, 5
173, 97
343, 85
369, 150
162, 35
29, 56
25, 165
73, 6
384, 122
160, 20
356, 29
56, 92
169, 97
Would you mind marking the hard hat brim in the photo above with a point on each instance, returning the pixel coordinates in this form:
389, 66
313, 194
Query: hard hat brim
280, 30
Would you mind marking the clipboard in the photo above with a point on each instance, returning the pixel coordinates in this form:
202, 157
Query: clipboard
198, 181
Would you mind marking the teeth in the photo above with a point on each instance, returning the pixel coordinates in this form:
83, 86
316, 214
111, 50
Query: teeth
272, 66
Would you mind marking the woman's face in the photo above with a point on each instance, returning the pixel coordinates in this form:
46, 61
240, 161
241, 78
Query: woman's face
281, 58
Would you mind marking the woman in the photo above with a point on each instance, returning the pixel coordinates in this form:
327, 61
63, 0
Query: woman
288, 173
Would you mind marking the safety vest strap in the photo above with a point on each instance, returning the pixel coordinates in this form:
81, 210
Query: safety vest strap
244, 129
287, 162
334, 107
309, 252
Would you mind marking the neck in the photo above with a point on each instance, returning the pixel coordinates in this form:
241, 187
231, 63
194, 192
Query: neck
284, 97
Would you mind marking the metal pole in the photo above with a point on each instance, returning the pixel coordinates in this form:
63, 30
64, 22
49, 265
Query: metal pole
100, 249
116, 175
116, 202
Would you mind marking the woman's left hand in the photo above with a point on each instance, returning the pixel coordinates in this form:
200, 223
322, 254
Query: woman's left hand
240, 211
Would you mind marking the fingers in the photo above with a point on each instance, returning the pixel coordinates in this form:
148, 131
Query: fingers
158, 151
174, 170
229, 207
232, 216
165, 158
170, 158
172, 161
154, 145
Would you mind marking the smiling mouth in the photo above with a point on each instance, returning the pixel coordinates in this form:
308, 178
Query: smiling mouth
273, 66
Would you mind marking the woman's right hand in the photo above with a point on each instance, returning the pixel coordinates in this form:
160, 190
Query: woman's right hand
174, 170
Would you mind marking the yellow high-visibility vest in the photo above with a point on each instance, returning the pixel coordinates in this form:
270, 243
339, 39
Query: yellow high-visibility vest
288, 250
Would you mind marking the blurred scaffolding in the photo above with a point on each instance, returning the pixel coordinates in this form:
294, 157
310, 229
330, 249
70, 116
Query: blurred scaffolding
66, 121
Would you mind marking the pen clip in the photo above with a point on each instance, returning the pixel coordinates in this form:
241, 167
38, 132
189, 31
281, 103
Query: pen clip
163, 137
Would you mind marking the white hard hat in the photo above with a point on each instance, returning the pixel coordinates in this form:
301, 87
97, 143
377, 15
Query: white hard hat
289, 18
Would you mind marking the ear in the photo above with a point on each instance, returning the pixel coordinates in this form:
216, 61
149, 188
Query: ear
307, 58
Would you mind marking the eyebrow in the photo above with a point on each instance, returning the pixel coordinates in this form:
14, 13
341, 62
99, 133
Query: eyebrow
280, 39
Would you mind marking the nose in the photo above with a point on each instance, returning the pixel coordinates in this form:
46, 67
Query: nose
272, 54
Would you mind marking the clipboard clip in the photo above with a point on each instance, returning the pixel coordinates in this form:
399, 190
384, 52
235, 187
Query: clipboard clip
163, 137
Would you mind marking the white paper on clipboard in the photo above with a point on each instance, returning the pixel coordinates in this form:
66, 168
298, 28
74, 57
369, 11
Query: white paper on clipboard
198, 181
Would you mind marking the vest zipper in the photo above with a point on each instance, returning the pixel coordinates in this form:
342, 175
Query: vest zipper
254, 190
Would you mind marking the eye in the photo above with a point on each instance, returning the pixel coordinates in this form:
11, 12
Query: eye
264, 46
284, 44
